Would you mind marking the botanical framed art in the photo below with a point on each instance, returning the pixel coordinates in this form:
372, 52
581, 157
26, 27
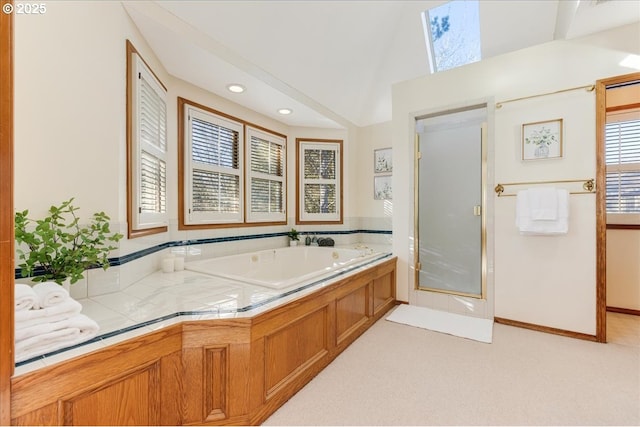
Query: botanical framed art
542, 140
382, 160
382, 189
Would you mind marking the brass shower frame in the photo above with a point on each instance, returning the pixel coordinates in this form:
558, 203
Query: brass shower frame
483, 217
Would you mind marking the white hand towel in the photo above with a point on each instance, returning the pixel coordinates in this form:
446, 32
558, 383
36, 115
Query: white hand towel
50, 294
528, 226
64, 310
25, 297
543, 203
85, 325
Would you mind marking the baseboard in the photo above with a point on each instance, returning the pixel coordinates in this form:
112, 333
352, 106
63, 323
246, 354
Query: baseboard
547, 329
624, 310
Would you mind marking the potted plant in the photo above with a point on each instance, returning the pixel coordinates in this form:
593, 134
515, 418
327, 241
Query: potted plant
293, 237
60, 248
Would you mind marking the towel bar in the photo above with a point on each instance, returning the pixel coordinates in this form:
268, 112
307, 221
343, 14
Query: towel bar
588, 185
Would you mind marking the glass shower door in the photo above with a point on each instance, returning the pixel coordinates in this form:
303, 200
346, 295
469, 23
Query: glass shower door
450, 198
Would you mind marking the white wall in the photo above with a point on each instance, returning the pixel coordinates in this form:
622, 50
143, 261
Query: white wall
70, 130
548, 281
374, 214
623, 269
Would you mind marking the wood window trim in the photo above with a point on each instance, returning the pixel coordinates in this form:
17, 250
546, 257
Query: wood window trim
182, 102
601, 205
299, 141
6, 216
133, 233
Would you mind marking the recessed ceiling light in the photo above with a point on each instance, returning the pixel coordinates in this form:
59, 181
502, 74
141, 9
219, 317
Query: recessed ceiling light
285, 111
235, 88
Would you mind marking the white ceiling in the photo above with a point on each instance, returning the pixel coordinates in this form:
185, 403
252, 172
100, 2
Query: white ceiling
333, 62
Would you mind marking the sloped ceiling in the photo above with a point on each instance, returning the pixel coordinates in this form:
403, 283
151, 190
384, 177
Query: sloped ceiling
333, 62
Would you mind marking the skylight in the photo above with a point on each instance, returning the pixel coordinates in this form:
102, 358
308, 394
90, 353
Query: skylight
452, 33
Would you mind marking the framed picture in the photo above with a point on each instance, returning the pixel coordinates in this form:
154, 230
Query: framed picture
382, 189
382, 161
542, 140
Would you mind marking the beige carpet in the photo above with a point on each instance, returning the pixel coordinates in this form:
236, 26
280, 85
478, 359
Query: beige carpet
401, 375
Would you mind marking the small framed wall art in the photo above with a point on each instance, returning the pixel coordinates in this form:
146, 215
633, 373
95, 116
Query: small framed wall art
542, 140
382, 188
382, 161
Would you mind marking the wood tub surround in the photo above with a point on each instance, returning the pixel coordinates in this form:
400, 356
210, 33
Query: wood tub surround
210, 372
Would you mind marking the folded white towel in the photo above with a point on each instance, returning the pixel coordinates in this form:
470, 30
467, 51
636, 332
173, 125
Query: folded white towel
529, 226
25, 297
85, 325
64, 310
50, 294
55, 340
543, 203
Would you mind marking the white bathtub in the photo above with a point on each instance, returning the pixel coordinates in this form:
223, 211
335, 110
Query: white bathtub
282, 267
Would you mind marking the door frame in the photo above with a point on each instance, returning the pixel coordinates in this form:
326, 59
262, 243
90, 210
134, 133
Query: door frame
483, 180
601, 207
7, 271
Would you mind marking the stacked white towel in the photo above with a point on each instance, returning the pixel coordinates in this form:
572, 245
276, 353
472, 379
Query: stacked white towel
542, 211
26, 298
52, 321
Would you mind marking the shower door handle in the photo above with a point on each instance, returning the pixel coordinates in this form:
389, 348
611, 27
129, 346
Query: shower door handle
477, 210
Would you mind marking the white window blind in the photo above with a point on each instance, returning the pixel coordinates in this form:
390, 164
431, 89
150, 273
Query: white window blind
149, 148
266, 191
622, 140
214, 168
320, 181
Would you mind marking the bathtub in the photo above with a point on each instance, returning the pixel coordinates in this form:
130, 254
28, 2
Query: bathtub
282, 267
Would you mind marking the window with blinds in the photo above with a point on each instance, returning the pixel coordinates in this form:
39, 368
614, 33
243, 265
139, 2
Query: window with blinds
214, 172
319, 181
149, 148
622, 157
266, 192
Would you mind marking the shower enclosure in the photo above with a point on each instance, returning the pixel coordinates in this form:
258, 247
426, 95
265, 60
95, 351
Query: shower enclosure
449, 206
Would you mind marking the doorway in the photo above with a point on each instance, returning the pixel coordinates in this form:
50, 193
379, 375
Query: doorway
450, 235
618, 205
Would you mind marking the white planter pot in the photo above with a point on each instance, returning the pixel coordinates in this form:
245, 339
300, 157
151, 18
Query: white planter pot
293, 243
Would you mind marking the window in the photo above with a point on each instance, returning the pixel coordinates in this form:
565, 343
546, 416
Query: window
319, 181
147, 146
452, 34
266, 193
230, 173
213, 172
622, 145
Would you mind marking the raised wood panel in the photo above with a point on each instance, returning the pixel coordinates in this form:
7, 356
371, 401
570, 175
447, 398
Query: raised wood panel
351, 312
47, 416
192, 383
171, 373
239, 387
293, 348
215, 380
383, 292
132, 399
86, 371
